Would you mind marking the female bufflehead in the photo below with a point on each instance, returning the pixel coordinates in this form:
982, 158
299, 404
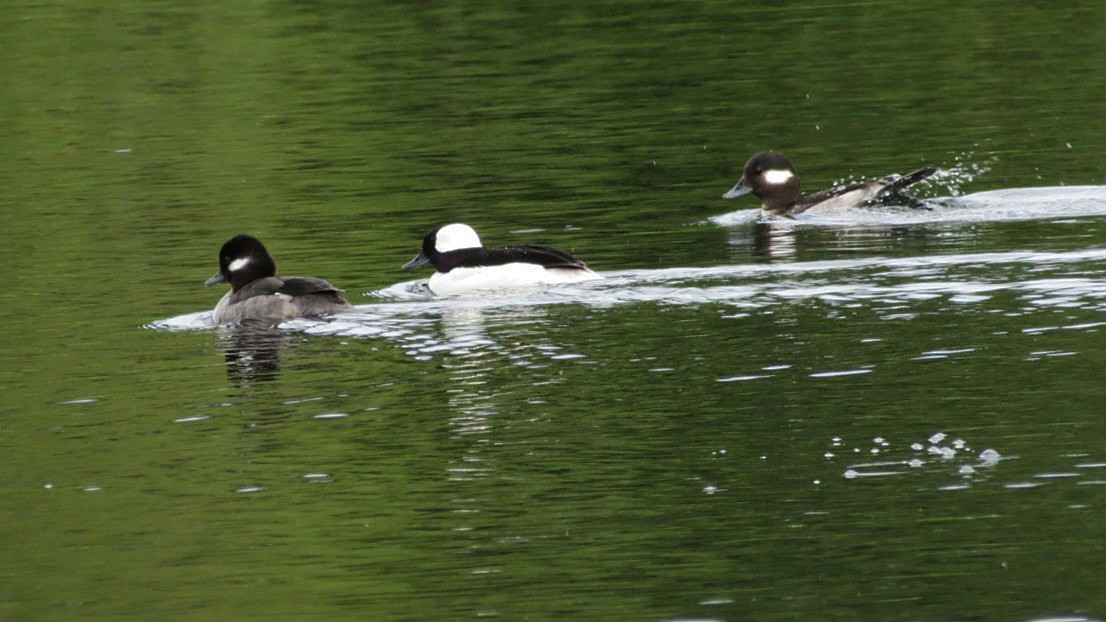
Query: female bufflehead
463, 264
771, 177
258, 295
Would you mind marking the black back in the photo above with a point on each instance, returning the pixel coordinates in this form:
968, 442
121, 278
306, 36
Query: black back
477, 257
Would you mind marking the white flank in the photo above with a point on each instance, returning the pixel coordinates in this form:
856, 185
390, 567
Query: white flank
778, 176
504, 277
850, 199
456, 236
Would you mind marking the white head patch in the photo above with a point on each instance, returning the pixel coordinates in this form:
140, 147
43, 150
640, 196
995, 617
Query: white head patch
238, 264
456, 236
778, 176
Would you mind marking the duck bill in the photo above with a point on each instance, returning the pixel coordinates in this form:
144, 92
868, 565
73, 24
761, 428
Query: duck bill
740, 189
215, 278
419, 261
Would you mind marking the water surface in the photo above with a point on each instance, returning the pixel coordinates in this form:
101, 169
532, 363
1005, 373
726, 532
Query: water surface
873, 415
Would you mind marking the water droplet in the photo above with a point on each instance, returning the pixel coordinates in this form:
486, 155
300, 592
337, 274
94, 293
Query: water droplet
989, 457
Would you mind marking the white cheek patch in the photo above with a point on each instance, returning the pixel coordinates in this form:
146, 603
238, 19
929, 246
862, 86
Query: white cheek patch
238, 264
778, 176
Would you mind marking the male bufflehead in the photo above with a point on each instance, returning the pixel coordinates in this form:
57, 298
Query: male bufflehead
258, 295
463, 264
771, 177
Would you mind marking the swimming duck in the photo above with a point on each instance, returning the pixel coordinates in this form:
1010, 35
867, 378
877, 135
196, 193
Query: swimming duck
771, 177
257, 294
463, 264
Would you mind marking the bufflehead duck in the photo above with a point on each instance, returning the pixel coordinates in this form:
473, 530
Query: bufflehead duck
771, 177
463, 264
258, 295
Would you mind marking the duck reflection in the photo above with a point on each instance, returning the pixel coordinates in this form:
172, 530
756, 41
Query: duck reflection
781, 240
472, 358
252, 352
773, 241
468, 367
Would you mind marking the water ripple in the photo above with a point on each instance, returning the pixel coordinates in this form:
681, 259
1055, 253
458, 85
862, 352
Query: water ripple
893, 288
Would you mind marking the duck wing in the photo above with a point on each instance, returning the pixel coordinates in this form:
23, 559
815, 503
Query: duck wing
289, 286
839, 197
832, 193
851, 195
898, 184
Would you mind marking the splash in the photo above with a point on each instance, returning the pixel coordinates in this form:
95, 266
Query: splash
939, 451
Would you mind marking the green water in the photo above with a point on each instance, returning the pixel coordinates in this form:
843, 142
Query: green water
731, 440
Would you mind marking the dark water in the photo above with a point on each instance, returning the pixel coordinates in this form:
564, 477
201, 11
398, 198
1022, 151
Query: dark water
881, 415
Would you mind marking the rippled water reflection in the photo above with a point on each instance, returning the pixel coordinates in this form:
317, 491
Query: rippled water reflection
1024, 294
731, 431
